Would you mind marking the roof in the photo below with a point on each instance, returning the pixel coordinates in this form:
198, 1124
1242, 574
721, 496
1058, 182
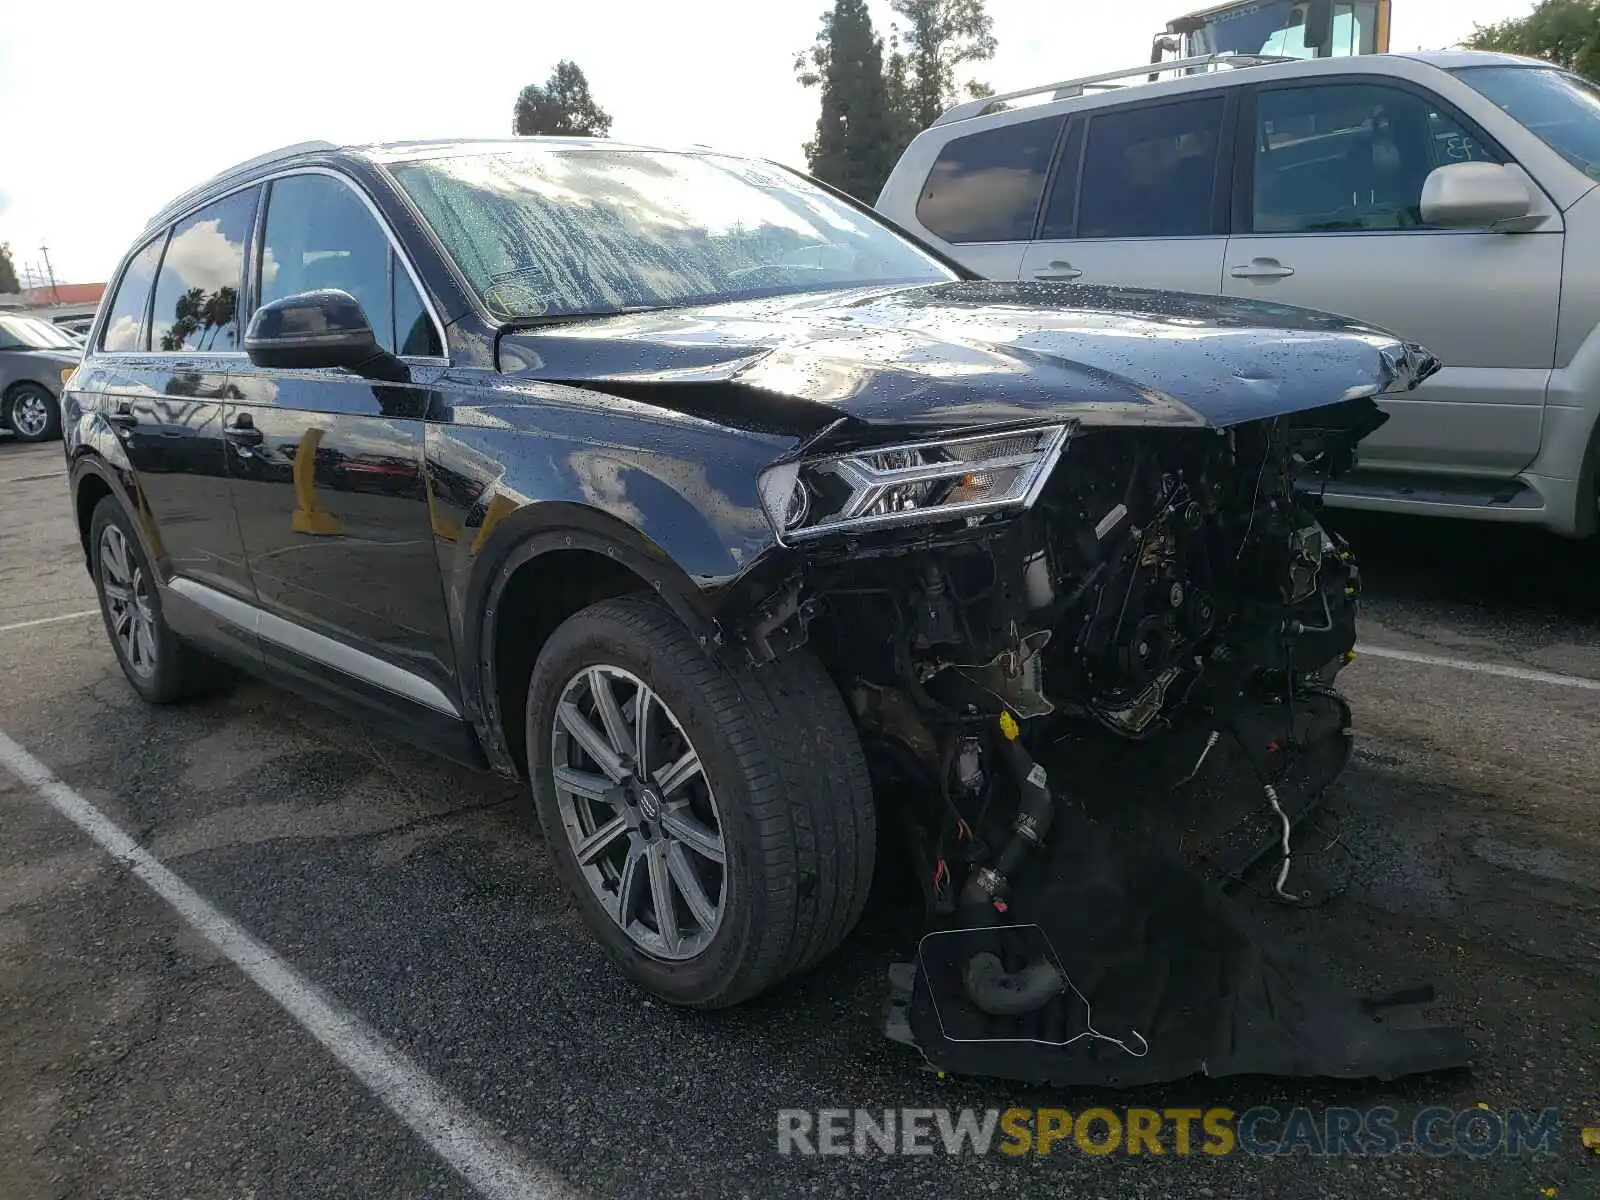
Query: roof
62, 293
391, 152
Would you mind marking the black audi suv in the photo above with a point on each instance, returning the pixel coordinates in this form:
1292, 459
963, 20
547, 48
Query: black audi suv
744, 527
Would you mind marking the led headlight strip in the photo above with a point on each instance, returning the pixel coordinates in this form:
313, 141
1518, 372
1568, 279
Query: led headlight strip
911, 482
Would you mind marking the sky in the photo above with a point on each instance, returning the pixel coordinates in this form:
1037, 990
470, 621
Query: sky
113, 107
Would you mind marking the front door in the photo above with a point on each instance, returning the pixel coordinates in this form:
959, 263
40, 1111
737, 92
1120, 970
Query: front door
327, 467
170, 339
1332, 219
1138, 199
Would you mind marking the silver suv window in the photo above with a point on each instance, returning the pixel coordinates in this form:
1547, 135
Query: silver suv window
985, 187
1561, 109
1151, 171
1350, 156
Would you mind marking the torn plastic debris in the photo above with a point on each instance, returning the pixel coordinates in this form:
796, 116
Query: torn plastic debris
1160, 980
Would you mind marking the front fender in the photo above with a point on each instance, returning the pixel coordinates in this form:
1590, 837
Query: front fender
671, 497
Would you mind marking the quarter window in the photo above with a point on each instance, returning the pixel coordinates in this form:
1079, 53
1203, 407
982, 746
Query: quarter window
1151, 172
197, 291
319, 234
125, 325
985, 187
1350, 156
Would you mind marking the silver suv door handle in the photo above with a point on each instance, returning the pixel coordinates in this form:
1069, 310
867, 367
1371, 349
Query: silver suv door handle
1262, 268
1057, 270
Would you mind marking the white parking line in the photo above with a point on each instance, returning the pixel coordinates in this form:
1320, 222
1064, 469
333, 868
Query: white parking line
71, 616
1525, 674
456, 1134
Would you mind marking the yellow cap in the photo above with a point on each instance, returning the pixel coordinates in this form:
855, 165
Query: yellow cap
1008, 726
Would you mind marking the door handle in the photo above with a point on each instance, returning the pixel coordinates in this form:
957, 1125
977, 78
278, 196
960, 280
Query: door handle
1262, 268
243, 432
1057, 270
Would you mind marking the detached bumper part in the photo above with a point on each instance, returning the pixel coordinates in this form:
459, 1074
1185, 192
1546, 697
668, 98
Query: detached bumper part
1111, 961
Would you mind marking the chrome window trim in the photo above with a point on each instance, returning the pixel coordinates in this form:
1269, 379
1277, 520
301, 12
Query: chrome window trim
345, 659
262, 181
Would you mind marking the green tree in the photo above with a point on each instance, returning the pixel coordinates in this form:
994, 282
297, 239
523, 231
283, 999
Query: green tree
8, 271
1565, 32
855, 144
563, 106
941, 36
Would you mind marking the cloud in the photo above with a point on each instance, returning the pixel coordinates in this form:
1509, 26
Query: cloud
5, 202
203, 257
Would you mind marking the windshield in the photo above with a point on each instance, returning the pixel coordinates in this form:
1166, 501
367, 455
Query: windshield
1278, 27
1561, 109
541, 232
30, 333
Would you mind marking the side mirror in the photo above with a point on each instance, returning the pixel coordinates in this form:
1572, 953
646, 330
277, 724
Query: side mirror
325, 328
1473, 195
1318, 30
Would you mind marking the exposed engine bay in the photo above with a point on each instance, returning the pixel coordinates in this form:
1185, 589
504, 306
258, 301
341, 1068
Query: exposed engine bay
1165, 591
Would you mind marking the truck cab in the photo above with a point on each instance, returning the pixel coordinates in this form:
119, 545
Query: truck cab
1280, 28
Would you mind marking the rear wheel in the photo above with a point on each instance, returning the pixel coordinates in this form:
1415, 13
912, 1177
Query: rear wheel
713, 822
33, 414
161, 668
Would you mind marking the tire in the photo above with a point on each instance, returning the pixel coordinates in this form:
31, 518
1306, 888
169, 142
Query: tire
160, 667
788, 795
26, 405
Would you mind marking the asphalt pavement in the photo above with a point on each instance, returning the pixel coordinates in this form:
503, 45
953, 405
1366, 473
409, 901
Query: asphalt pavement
407, 902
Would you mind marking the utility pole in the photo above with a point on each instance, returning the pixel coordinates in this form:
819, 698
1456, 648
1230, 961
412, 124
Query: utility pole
55, 292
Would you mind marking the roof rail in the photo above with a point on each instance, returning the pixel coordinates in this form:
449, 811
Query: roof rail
1067, 89
270, 156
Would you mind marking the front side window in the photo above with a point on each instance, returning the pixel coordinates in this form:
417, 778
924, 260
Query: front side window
125, 322
1562, 110
197, 291
540, 232
985, 187
1151, 172
1350, 156
320, 234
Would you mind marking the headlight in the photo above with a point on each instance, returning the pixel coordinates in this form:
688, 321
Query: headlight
913, 481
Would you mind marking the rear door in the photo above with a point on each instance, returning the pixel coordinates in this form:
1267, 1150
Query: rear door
1329, 216
1139, 197
160, 376
327, 465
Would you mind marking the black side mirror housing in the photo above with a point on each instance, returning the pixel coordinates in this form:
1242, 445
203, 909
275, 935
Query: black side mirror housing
325, 328
1319, 24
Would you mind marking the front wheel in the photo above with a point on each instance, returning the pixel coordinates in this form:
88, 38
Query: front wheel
33, 414
713, 822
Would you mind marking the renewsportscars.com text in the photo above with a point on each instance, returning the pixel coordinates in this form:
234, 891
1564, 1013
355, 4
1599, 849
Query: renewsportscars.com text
1262, 1131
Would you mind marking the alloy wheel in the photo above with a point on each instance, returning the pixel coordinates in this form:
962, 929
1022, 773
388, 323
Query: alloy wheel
639, 813
127, 594
30, 414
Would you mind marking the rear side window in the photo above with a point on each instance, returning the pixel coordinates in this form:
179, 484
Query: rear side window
319, 234
985, 187
197, 292
1151, 172
124, 328
1350, 156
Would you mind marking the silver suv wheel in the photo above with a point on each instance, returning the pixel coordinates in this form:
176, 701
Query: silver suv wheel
639, 813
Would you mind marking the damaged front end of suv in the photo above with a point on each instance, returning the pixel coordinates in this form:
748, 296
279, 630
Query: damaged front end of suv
1059, 552
1044, 628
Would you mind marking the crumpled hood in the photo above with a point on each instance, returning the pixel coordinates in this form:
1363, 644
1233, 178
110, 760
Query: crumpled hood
979, 353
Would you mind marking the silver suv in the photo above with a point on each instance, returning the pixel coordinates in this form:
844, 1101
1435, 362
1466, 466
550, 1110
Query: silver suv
1448, 197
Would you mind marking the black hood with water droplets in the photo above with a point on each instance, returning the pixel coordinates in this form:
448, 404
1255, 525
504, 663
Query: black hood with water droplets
980, 353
